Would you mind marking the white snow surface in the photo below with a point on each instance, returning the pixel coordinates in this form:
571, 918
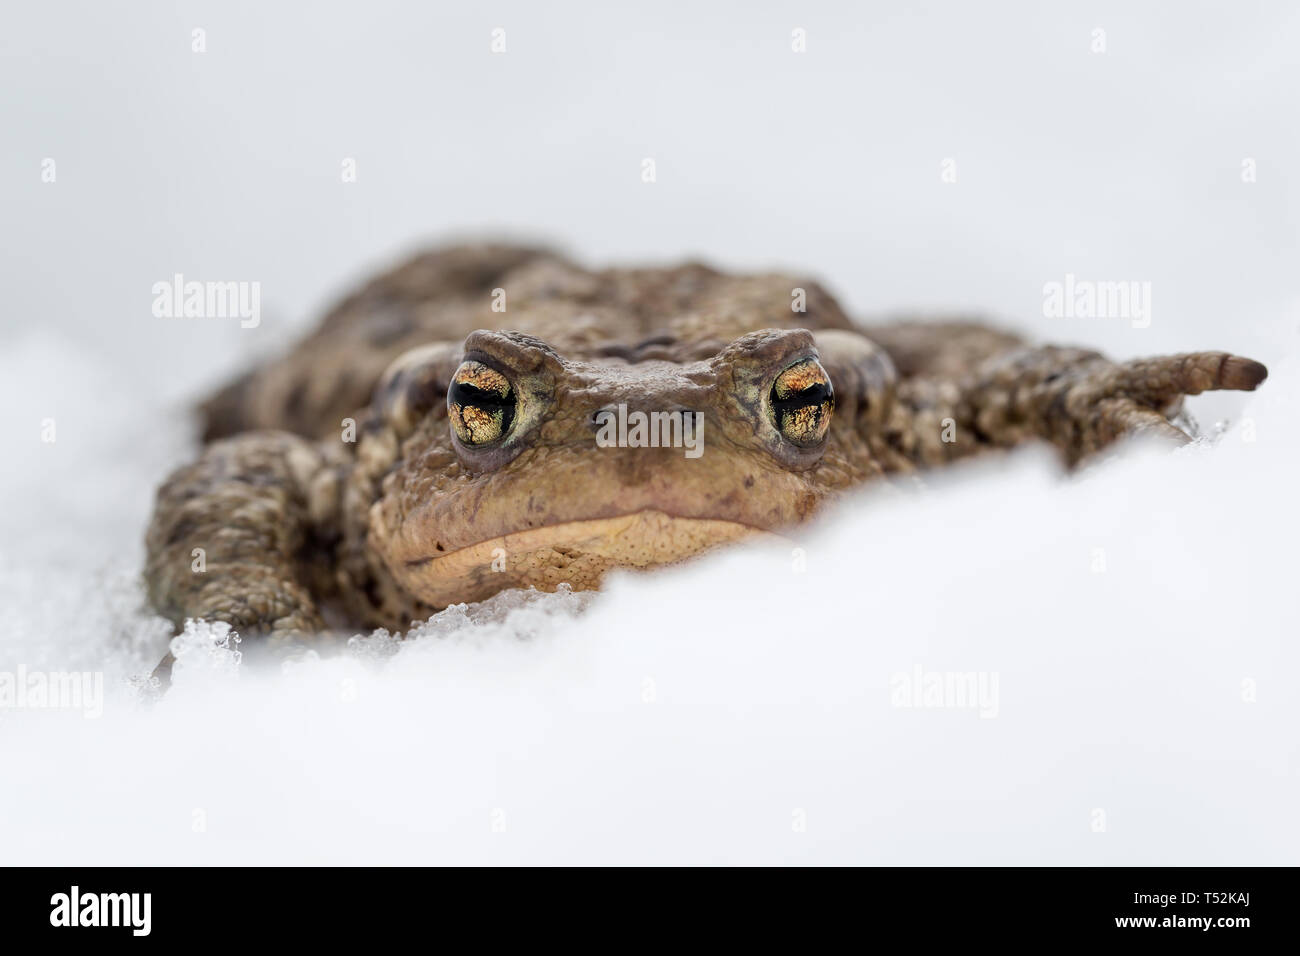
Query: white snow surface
1139, 618
733, 710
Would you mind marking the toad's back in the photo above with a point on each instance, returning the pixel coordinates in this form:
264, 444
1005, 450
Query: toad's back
682, 314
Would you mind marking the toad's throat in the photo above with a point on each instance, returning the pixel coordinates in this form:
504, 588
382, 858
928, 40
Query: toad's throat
577, 553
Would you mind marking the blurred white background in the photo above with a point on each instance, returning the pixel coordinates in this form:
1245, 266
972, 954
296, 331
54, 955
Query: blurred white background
1121, 692
226, 164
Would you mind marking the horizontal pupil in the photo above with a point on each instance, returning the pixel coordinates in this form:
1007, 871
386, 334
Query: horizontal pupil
501, 407
814, 394
462, 393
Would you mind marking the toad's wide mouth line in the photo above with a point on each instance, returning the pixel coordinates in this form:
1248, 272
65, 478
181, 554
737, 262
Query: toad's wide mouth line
641, 538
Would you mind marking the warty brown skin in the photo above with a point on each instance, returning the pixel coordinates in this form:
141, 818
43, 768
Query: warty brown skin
302, 531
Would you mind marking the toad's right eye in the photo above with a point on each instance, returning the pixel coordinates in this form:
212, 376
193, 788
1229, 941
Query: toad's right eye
481, 404
802, 401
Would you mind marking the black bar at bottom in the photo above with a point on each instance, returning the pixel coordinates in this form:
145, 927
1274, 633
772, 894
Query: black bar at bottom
336, 906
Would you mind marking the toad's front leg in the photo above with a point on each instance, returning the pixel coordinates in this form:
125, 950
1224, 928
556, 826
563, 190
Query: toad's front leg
230, 534
1081, 402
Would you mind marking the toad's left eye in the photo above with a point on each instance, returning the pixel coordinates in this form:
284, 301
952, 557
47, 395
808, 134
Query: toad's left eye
480, 403
802, 400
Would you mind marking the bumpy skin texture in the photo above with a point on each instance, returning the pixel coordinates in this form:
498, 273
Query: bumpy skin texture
334, 492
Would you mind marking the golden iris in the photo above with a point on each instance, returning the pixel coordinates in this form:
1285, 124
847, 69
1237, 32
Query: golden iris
802, 401
481, 404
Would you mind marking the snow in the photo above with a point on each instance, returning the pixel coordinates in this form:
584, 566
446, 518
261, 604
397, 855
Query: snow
738, 709
1132, 627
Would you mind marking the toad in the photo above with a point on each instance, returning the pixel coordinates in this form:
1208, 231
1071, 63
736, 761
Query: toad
437, 438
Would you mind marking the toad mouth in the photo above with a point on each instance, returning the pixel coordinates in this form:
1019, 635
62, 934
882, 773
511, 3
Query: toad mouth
577, 553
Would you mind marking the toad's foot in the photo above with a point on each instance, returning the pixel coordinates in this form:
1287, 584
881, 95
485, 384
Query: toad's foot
1082, 402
